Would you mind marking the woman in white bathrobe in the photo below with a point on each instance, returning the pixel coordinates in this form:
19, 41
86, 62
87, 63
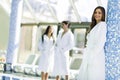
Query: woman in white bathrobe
46, 47
93, 64
64, 43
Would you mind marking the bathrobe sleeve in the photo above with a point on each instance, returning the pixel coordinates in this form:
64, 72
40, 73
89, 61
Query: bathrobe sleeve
97, 39
70, 42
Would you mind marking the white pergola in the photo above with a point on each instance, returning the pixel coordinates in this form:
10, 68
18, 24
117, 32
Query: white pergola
56, 10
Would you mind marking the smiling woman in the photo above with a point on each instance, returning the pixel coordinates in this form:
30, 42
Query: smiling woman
93, 67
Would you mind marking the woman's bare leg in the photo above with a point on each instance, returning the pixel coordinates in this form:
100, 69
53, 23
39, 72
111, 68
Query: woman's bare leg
42, 76
46, 76
66, 77
57, 77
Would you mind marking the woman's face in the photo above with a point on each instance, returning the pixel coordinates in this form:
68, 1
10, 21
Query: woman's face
64, 26
98, 15
50, 30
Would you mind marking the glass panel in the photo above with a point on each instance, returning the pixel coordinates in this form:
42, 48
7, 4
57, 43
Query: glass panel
25, 43
80, 37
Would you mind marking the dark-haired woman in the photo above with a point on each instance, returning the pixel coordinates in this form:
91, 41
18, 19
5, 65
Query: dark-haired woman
64, 43
46, 47
93, 63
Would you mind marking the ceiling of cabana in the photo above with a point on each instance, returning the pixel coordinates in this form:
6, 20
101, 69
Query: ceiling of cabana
54, 11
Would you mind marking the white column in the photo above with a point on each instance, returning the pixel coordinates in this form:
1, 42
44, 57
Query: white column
34, 37
14, 31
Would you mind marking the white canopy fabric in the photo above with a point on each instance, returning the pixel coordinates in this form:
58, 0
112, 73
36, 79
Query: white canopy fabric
56, 10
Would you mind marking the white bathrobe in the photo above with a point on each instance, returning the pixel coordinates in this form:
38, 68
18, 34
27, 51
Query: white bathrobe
63, 45
93, 64
47, 54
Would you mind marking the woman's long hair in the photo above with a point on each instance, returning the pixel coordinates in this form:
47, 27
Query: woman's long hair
45, 33
93, 23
